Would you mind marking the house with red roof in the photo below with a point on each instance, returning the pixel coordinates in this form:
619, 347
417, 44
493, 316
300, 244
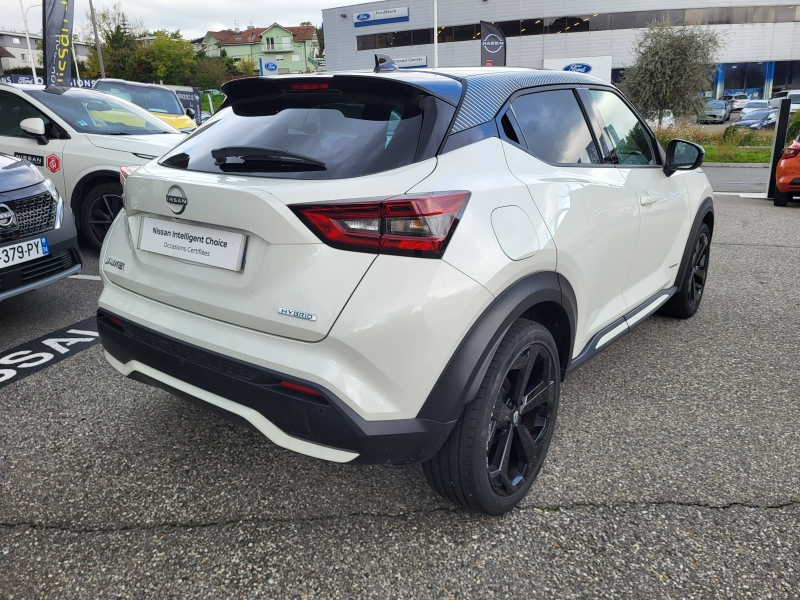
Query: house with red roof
290, 49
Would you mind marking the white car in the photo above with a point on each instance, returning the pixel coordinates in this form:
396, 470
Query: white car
80, 138
753, 106
403, 267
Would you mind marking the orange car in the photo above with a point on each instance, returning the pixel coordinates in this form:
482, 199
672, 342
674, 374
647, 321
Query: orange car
788, 174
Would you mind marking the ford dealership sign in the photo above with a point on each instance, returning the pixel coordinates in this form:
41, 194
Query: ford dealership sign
378, 17
578, 68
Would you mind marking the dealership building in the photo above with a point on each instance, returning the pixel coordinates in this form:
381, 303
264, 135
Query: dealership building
760, 54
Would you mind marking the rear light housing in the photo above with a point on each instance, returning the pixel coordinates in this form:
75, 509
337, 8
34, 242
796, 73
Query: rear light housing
418, 225
792, 151
124, 173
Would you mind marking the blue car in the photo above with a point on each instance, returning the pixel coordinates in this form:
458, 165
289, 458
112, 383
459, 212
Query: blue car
759, 119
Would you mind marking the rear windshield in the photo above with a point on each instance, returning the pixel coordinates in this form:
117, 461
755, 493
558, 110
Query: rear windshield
332, 131
759, 115
715, 104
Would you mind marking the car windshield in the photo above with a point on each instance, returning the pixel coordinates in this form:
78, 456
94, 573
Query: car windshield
715, 104
759, 115
727, 97
154, 99
757, 104
89, 111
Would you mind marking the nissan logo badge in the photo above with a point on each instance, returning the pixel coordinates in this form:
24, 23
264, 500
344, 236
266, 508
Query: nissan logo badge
7, 217
176, 200
493, 43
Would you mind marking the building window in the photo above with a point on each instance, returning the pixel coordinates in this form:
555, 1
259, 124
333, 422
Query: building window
422, 36
401, 38
509, 28
269, 43
365, 42
295, 57
22, 57
623, 20
531, 27
15, 40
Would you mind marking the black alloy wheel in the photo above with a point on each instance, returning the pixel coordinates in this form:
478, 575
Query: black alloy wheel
522, 418
98, 211
699, 268
685, 302
499, 444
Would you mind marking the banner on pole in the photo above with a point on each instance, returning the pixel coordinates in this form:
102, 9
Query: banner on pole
57, 39
493, 46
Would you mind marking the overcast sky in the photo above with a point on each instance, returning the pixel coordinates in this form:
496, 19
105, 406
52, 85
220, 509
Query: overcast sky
192, 17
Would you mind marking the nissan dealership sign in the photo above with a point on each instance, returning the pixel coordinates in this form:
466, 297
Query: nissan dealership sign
599, 66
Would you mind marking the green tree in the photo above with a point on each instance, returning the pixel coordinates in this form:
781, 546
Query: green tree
671, 67
247, 65
321, 40
169, 58
209, 73
306, 23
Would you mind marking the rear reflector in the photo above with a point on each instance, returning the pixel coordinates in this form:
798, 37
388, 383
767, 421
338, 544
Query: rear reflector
125, 172
406, 225
299, 388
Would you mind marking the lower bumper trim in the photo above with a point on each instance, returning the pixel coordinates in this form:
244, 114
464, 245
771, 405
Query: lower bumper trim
321, 426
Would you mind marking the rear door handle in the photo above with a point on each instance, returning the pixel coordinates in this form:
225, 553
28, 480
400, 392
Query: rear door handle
648, 200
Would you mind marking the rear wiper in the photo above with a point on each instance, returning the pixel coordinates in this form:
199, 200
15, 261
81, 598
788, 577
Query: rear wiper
276, 155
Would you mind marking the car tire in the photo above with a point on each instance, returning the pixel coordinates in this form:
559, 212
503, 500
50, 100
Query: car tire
99, 208
498, 446
780, 198
685, 302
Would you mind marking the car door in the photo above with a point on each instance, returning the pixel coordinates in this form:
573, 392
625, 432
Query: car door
664, 201
47, 157
590, 212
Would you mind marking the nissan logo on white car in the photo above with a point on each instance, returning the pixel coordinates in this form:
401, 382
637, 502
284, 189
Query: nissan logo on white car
7, 217
493, 43
176, 200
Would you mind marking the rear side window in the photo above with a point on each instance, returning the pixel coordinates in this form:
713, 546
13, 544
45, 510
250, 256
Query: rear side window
346, 129
554, 127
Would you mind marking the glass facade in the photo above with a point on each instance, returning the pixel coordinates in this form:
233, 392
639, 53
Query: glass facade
591, 22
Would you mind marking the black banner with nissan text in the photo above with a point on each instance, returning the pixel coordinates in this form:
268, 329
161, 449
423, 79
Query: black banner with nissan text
493, 46
57, 15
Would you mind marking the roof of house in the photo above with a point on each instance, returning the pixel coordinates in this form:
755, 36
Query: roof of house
5, 53
302, 33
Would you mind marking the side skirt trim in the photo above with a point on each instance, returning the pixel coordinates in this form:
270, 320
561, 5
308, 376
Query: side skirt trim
621, 326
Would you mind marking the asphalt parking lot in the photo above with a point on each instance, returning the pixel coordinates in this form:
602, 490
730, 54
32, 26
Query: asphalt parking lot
674, 472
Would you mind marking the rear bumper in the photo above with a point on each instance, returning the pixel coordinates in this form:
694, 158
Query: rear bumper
64, 260
320, 426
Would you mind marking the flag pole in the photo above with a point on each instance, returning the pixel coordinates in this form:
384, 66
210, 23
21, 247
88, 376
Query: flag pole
96, 42
28, 38
435, 34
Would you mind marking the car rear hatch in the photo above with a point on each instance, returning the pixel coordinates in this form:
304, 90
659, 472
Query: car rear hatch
234, 180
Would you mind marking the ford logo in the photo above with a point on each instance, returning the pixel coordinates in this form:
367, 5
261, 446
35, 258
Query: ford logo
363, 17
578, 68
271, 66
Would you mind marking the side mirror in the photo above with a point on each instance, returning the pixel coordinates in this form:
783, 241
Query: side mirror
34, 128
190, 113
683, 156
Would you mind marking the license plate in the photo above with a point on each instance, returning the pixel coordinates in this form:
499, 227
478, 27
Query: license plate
23, 252
202, 245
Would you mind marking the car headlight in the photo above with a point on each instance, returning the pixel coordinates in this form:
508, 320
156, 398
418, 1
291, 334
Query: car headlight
59, 202
755, 126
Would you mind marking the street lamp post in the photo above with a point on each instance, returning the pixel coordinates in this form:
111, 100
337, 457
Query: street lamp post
96, 42
27, 37
435, 33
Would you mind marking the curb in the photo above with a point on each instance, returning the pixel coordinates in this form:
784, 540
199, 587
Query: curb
743, 165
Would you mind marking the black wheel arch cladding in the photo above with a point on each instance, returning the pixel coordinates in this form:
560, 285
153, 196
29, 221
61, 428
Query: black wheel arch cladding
542, 296
85, 185
705, 214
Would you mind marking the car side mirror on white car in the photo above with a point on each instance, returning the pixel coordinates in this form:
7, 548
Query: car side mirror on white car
683, 156
34, 128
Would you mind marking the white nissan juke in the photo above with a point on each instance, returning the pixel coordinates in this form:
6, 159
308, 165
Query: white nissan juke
403, 266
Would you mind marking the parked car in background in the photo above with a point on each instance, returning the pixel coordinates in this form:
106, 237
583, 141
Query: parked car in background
759, 119
328, 260
737, 101
787, 177
754, 105
159, 100
793, 95
38, 239
715, 111
80, 138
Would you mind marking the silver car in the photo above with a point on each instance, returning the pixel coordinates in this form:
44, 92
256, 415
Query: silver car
715, 111
754, 105
736, 101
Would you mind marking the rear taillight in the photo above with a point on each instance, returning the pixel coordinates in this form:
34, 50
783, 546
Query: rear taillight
124, 173
792, 151
406, 225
